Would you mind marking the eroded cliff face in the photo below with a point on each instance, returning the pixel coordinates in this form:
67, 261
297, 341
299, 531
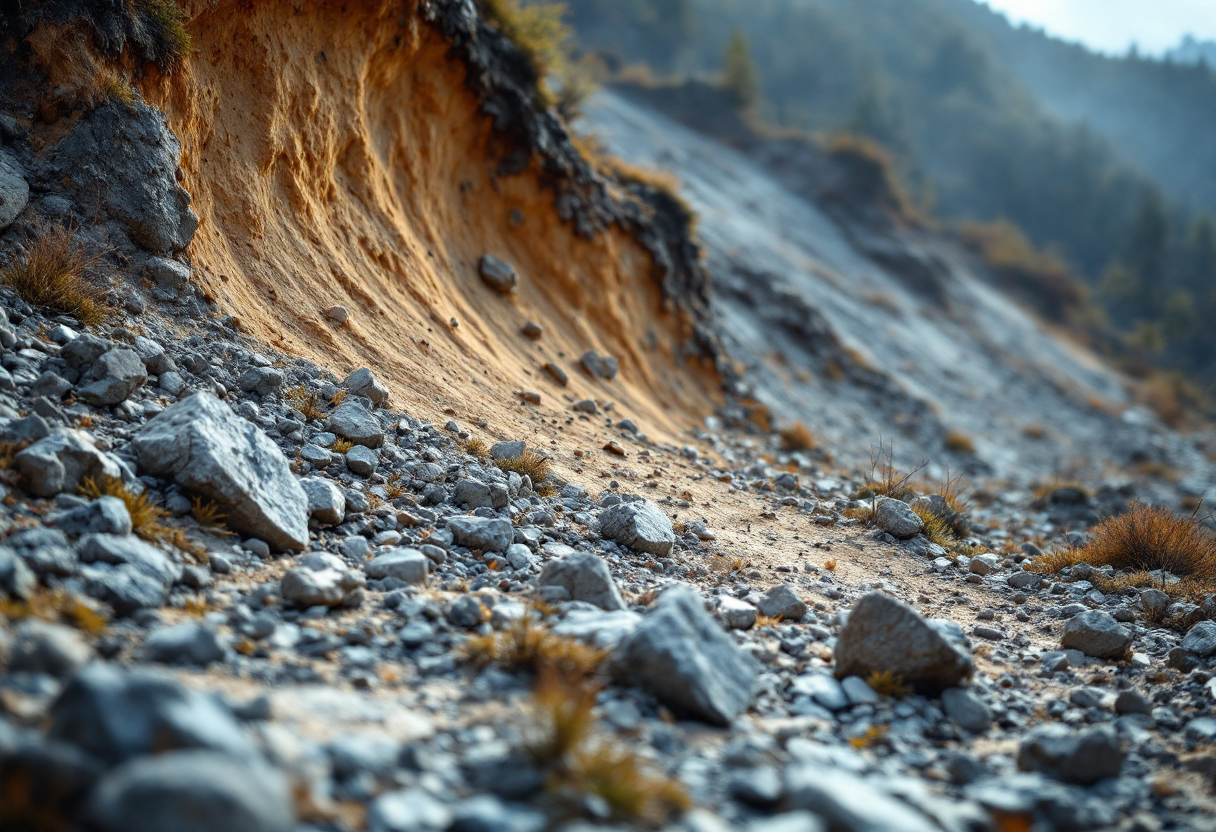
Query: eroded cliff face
341, 154
367, 154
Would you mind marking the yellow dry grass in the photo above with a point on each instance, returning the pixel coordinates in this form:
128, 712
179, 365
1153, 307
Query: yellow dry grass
52, 275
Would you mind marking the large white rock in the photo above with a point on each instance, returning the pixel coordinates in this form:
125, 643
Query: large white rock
210, 451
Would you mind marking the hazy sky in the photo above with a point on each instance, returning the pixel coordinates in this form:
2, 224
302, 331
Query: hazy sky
1114, 25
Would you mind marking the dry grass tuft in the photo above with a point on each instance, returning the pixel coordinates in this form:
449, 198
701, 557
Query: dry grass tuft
959, 442
766, 621
530, 646
532, 465
338, 398
52, 275
830, 564
55, 605
341, 446
875, 735
1144, 539
147, 518
797, 437
208, 515
308, 402
563, 740
476, 448
886, 683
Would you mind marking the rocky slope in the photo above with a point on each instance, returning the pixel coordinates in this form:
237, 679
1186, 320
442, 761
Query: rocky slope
263, 571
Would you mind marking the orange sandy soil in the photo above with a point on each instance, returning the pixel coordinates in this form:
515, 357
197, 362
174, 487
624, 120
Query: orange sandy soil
335, 157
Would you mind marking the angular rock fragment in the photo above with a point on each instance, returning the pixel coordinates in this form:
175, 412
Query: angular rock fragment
208, 450
497, 274
683, 658
352, 421
1083, 757
363, 383
897, 519
883, 634
1096, 633
781, 602
60, 461
405, 564
640, 525
484, 533
321, 580
585, 577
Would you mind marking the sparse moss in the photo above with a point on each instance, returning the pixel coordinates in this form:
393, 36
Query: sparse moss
52, 275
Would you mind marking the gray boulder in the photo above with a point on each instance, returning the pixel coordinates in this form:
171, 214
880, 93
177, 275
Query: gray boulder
189, 643
1201, 639
484, 533
153, 355
192, 791
14, 190
17, 580
353, 421
497, 274
512, 449
896, 518
43, 647
210, 451
60, 461
967, 710
1096, 633
326, 504
83, 350
640, 525
362, 461
585, 577
1082, 757
112, 378
405, 564
116, 714
122, 161
847, 803
362, 383
781, 602
680, 655
167, 274
322, 580
264, 381
883, 634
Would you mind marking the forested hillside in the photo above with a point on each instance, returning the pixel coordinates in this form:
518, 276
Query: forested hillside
1099, 161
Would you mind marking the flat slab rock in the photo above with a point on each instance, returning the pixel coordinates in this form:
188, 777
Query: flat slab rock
208, 450
883, 634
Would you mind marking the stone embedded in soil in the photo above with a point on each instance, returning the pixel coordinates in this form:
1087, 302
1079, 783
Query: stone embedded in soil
897, 519
556, 373
321, 580
1201, 639
363, 382
209, 451
1096, 633
116, 714
354, 422
781, 602
883, 634
405, 564
585, 577
640, 525
599, 366
1082, 757
966, 710
192, 791
499, 275
489, 534
326, 504
680, 655
512, 449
